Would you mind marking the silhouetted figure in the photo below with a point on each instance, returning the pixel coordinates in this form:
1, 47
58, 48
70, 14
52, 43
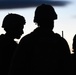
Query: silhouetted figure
42, 51
74, 44
13, 25
74, 55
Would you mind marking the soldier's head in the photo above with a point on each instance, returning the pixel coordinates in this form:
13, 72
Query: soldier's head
14, 24
45, 15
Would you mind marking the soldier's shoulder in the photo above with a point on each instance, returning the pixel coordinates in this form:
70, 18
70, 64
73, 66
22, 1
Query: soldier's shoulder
58, 36
27, 37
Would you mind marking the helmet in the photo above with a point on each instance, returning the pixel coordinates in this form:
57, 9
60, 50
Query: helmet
44, 12
13, 21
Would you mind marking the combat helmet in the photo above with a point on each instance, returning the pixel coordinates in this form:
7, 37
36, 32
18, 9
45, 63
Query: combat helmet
44, 12
12, 21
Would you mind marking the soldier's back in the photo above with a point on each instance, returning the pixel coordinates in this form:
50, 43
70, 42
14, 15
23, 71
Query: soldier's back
46, 51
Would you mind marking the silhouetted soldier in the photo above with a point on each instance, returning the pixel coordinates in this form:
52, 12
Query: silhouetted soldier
42, 51
74, 44
13, 25
74, 55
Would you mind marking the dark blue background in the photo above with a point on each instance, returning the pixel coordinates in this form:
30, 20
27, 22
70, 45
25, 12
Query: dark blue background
8, 4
